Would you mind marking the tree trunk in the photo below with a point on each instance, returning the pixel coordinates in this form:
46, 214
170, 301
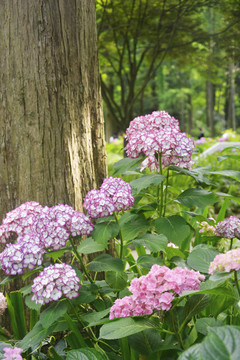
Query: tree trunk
210, 98
231, 113
51, 125
52, 147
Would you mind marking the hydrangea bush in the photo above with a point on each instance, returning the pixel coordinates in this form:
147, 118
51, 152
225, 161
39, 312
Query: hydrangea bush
169, 284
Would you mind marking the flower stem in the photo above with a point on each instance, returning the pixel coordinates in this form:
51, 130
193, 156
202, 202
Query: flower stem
80, 260
236, 281
177, 333
166, 190
120, 235
160, 187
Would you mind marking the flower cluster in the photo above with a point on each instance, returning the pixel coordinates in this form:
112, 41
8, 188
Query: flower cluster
114, 195
38, 230
12, 354
155, 291
229, 228
226, 262
54, 282
26, 253
159, 133
3, 303
205, 227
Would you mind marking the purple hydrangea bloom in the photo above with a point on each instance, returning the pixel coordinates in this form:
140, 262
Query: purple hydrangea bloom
229, 228
119, 191
54, 282
26, 253
158, 132
155, 291
19, 220
98, 204
12, 354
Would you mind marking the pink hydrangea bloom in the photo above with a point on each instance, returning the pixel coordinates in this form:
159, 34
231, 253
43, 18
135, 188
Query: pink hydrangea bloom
158, 132
155, 291
229, 228
3, 303
12, 354
54, 282
226, 262
170, 244
98, 204
205, 227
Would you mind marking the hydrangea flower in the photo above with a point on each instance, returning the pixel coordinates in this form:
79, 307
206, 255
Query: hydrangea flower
229, 228
26, 253
98, 204
119, 191
19, 220
12, 354
159, 132
155, 291
226, 262
3, 303
54, 282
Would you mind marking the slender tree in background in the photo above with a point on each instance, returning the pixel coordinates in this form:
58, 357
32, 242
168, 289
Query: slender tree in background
51, 125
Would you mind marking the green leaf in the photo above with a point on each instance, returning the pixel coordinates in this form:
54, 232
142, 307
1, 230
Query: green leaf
194, 305
95, 315
31, 304
175, 228
222, 343
147, 261
145, 181
204, 323
55, 255
201, 257
127, 164
197, 173
122, 327
53, 313
76, 336
193, 353
35, 337
147, 344
131, 230
87, 294
85, 354
17, 314
153, 242
228, 173
104, 231
89, 246
106, 262
117, 280
197, 197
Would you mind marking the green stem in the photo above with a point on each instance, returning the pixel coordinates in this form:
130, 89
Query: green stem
147, 342
160, 187
120, 235
231, 244
236, 281
166, 191
80, 260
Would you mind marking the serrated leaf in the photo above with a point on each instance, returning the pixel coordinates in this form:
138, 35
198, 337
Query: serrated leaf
85, 354
123, 327
175, 228
200, 258
131, 230
106, 262
35, 337
55, 255
104, 231
204, 323
145, 181
222, 343
127, 164
31, 304
153, 242
197, 173
147, 261
193, 353
89, 246
53, 313
95, 315
116, 280
194, 305
197, 197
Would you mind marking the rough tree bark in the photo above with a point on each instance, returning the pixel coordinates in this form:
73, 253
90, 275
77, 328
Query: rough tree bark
52, 147
51, 126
